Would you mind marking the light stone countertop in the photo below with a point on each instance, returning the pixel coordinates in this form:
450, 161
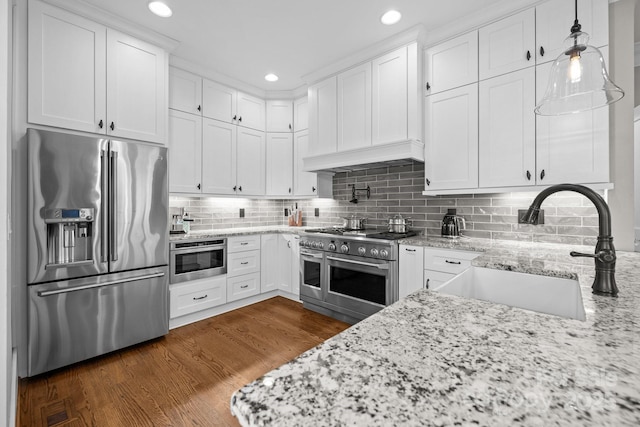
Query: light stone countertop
436, 359
244, 231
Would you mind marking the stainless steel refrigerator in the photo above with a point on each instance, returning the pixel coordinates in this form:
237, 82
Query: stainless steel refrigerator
98, 247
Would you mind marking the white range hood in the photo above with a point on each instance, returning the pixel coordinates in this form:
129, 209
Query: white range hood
381, 155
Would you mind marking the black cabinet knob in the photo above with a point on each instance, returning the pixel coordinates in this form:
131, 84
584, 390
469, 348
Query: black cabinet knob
199, 108
528, 176
235, 117
542, 174
313, 189
240, 118
199, 186
112, 126
100, 124
290, 126
235, 187
428, 181
289, 190
240, 188
541, 51
428, 86
528, 55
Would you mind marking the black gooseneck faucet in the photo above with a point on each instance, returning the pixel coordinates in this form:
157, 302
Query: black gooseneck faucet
605, 254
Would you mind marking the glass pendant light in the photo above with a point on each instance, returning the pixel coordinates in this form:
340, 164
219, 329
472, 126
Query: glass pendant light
579, 79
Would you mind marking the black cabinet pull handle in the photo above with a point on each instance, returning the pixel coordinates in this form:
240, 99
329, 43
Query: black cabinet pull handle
452, 262
112, 126
199, 108
428, 86
199, 186
542, 174
198, 298
541, 51
428, 181
427, 284
100, 124
528, 55
235, 187
313, 189
409, 250
528, 176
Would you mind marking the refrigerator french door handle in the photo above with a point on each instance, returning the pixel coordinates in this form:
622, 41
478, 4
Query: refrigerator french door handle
99, 285
113, 202
104, 179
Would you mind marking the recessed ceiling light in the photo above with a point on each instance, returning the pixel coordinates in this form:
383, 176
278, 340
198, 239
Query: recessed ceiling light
391, 17
160, 9
271, 77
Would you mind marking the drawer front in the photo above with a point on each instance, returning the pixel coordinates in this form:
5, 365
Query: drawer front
243, 263
197, 295
243, 286
433, 279
243, 243
448, 261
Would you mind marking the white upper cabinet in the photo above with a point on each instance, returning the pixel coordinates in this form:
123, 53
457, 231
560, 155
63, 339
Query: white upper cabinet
451, 64
219, 157
571, 147
185, 91
451, 139
250, 162
228, 105
218, 101
301, 114
185, 146
279, 116
323, 116
507, 142
354, 108
136, 94
553, 25
87, 77
507, 45
304, 183
390, 97
251, 111
61, 95
279, 164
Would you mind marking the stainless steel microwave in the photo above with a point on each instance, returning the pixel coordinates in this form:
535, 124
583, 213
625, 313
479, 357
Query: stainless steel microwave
197, 259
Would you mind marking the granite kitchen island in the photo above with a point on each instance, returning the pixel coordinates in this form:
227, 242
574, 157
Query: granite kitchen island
435, 359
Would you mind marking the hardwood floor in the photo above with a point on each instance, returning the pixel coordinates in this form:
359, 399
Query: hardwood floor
183, 379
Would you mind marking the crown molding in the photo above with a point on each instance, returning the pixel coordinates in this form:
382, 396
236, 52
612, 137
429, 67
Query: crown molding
116, 22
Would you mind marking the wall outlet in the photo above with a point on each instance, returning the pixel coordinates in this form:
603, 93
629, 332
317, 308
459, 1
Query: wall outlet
241, 212
539, 221
286, 212
317, 212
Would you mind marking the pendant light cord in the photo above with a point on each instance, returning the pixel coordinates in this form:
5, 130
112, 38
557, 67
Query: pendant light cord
576, 26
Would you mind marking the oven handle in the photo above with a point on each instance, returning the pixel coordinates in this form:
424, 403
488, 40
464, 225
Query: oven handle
368, 264
311, 255
196, 250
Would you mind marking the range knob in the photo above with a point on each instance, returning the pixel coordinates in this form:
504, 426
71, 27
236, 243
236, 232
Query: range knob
384, 253
314, 245
301, 243
332, 247
374, 252
307, 244
320, 245
362, 251
344, 249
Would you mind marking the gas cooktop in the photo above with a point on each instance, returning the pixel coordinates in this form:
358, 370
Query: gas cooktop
371, 233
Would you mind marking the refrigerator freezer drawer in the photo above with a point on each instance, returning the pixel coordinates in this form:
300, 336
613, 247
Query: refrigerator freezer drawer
78, 319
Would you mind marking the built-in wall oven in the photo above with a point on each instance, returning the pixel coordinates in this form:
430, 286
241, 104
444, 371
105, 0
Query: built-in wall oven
197, 259
348, 277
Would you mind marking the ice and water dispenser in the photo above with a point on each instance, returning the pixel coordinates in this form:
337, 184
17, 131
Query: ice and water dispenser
69, 236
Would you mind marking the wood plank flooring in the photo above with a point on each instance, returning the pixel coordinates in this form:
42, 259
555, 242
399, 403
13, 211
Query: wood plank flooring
183, 379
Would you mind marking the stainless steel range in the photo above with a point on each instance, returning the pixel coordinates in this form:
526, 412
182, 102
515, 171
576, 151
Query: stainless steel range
349, 274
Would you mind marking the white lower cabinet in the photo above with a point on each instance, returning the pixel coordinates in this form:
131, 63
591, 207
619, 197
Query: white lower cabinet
243, 263
411, 266
433, 279
280, 257
196, 295
243, 286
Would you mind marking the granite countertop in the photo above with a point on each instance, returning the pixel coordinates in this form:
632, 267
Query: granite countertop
244, 231
436, 359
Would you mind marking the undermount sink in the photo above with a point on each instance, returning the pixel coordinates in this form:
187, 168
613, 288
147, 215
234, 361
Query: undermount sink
551, 295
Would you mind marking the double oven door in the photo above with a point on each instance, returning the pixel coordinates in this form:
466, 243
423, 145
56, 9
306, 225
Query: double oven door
353, 286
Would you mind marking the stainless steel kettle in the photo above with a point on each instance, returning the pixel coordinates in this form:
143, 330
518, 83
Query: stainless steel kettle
452, 224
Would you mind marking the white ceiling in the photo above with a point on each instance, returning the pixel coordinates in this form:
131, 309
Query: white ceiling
246, 39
